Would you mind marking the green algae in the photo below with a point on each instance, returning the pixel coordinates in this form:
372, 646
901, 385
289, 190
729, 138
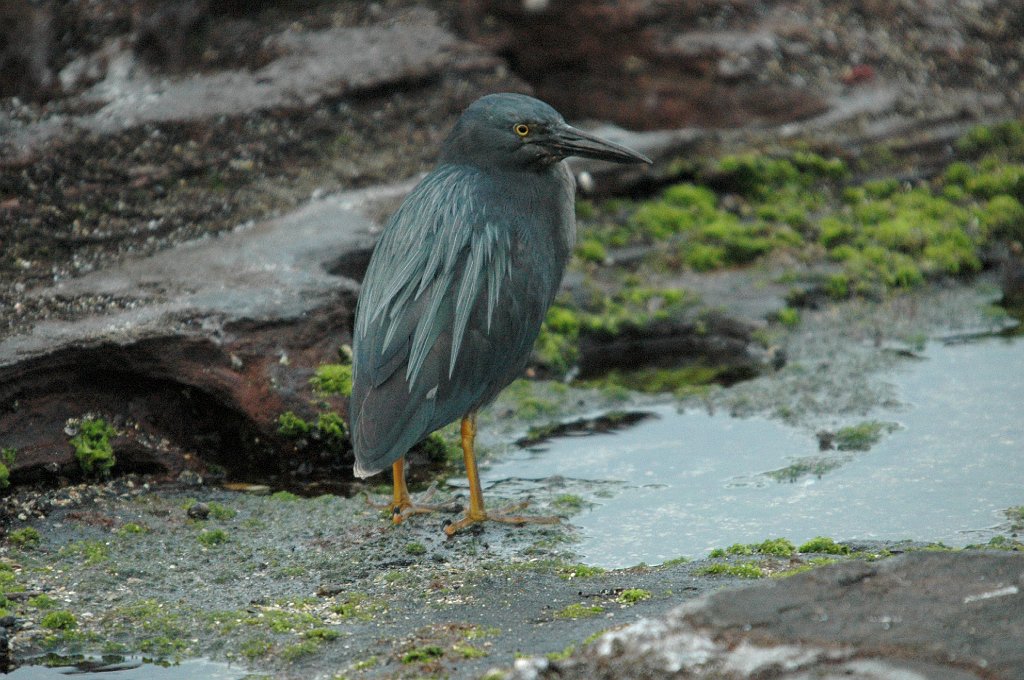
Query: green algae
571, 571
93, 450
780, 547
862, 436
631, 596
631, 306
7, 457
24, 537
823, 544
423, 654
333, 379
741, 570
579, 611
211, 538
291, 425
812, 563
60, 619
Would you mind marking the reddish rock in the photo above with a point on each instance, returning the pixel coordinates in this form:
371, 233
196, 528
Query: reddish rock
638, 63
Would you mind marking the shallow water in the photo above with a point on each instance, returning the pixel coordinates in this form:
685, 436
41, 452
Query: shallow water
684, 483
126, 668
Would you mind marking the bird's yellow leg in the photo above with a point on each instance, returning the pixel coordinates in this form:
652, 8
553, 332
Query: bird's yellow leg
402, 504
475, 512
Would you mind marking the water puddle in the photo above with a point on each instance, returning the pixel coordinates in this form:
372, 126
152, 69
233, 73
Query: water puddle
123, 668
684, 483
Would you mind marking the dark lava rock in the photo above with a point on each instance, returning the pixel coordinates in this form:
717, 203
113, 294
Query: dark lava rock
199, 350
25, 40
198, 511
948, 616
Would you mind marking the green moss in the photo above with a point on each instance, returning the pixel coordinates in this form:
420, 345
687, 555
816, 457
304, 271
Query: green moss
591, 250
1000, 543
569, 502
807, 466
365, 664
91, 552
1003, 217
284, 497
422, 654
1006, 138
788, 316
703, 257
282, 620
1016, 516
59, 620
579, 611
633, 595
42, 601
93, 450
131, 528
571, 571
255, 648
741, 570
699, 199
291, 425
837, 286
358, 606
675, 561
212, 537
585, 209
682, 381
7, 457
440, 450
415, 549
221, 512
160, 631
630, 306
332, 428
333, 379
862, 436
467, 651
823, 544
780, 547
562, 655
298, 650
24, 537
812, 563
321, 634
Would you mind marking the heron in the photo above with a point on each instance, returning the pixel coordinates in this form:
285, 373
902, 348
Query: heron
459, 283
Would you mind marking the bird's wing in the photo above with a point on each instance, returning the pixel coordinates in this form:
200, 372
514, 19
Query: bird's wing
438, 245
438, 258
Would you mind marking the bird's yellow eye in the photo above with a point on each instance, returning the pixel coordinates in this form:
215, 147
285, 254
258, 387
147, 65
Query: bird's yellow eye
522, 129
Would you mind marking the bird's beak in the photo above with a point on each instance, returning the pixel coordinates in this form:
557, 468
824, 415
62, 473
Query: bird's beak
569, 141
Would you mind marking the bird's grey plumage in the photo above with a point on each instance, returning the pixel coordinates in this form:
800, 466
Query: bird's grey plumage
462, 276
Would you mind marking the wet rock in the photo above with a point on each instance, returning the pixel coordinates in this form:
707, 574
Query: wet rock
221, 337
303, 67
198, 510
647, 64
714, 339
953, 616
25, 42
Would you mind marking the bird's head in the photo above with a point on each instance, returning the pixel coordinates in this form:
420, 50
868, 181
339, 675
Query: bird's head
518, 132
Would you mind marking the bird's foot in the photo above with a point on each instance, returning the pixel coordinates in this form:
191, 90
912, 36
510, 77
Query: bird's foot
402, 509
473, 517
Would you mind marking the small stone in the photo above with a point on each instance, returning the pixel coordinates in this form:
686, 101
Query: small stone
199, 511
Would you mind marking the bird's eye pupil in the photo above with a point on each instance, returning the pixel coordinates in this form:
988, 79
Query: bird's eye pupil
522, 129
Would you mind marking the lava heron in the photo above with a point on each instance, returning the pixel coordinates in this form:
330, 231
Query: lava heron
459, 283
